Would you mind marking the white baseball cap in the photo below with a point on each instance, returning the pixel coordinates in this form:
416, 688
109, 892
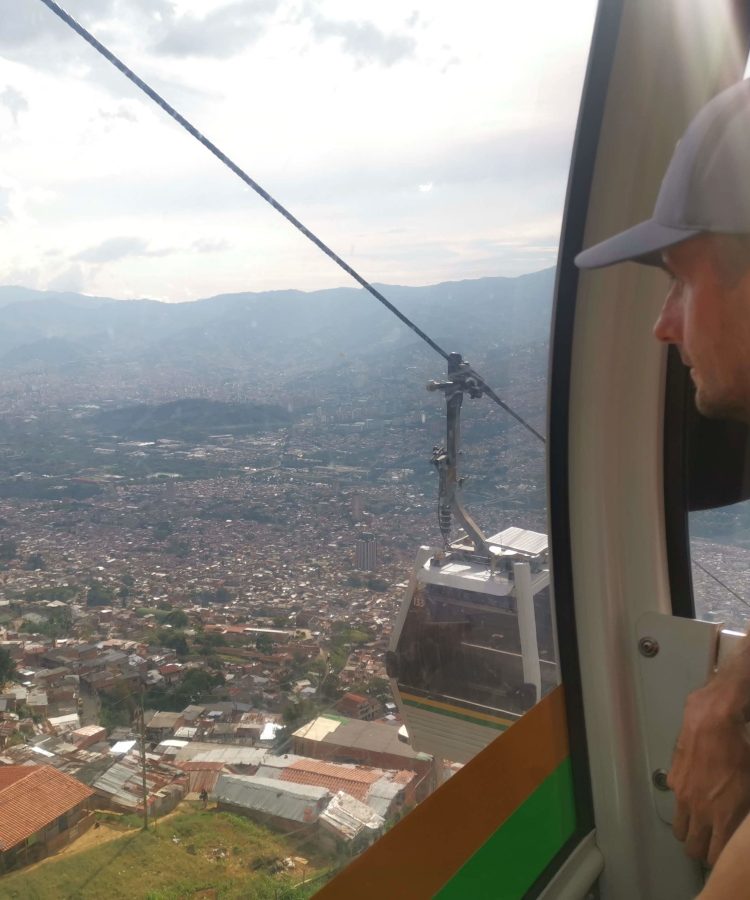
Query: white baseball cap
706, 186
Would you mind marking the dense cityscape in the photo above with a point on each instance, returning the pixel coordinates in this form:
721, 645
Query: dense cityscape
199, 577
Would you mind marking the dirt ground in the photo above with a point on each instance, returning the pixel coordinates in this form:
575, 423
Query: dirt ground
101, 835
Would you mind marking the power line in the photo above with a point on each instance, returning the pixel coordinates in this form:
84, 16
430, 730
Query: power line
251, 183
719, 581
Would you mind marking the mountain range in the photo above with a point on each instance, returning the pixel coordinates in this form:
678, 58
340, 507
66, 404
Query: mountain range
248, 332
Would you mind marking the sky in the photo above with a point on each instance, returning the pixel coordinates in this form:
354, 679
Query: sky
423, 142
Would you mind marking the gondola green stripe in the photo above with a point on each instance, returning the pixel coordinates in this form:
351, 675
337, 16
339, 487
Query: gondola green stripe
508, 864
497, 724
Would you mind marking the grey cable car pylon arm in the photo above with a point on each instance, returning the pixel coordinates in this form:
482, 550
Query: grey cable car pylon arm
461, 379
251, 183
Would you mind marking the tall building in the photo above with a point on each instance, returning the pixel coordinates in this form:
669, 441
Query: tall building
358, 506
367, 552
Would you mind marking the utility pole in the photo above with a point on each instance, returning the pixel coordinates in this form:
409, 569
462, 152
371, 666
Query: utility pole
143, 762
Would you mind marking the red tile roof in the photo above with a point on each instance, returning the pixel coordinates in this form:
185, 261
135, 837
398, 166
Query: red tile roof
355, 698
32, 797
11, 774
355, 781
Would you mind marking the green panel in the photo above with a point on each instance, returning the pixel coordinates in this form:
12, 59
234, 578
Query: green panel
508, 864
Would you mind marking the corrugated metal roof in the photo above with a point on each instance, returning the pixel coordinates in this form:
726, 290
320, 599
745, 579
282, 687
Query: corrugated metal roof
113, 782
273, 765
348, 817
296, 802
163, 720
269, 731
123, 779
229, 754
382, 794
185, 731
202, 775
34, 796
42, 751
121, 747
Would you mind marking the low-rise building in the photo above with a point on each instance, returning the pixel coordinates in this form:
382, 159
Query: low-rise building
287, 807
42, 810
359, 706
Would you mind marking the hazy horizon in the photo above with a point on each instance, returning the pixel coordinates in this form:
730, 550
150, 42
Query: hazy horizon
352, 285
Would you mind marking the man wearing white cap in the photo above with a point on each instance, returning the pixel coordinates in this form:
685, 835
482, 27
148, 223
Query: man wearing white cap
700, 234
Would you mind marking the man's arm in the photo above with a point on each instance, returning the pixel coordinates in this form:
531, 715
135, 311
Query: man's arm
729, 877
710, 772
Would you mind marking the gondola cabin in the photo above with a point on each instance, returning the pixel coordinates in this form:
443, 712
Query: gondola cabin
473, 647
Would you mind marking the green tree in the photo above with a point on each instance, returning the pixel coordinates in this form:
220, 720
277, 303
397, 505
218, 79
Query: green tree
195, 686
162, 530
175, 640
222, 595
207, 643
178, 548
8, 550
177, 618
34, 562
330, 687
377, 584
58, 624
99, 595
7, 666
264, 644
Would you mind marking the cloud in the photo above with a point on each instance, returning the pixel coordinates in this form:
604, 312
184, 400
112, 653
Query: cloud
26, 23
5, 210
32, 34
119, 112
207, 245
363, 40
70, 279
117, 248
219, 34
14, 101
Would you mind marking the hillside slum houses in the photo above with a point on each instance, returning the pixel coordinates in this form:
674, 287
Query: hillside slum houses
345, 779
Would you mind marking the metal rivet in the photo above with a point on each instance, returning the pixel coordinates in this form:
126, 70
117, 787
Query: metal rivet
648, 646
659, 778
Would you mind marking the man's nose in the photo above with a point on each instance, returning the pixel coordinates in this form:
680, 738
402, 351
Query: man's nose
667, 327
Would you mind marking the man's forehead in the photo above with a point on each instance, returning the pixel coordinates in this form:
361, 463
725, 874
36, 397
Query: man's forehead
687, 252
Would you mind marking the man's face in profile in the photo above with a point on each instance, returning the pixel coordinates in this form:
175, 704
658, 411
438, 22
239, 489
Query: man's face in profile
706, 315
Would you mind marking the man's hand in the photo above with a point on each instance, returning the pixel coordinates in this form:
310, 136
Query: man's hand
710, 772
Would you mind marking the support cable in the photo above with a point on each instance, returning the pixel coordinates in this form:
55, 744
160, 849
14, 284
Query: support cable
720, 582
251, 183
